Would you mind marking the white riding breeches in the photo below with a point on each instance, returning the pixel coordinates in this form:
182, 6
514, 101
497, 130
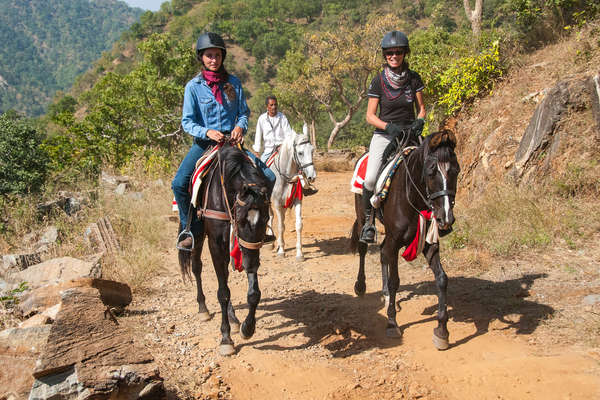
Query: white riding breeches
378, 144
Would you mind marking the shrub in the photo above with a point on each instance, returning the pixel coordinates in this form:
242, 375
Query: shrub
469, 77
23, 161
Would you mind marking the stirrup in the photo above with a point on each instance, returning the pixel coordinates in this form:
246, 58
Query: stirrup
182, 235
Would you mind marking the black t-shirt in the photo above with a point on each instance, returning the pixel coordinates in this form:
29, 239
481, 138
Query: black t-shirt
396, 105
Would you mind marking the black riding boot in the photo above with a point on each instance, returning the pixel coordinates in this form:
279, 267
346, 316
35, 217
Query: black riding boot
367, 235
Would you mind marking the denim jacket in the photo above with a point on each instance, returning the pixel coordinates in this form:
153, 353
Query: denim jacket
202, 112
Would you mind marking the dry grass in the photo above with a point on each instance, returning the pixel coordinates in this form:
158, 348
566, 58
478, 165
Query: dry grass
335, 161
506, 220
141, 226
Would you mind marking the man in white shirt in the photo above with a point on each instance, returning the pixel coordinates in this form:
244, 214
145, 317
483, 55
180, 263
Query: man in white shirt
272, 128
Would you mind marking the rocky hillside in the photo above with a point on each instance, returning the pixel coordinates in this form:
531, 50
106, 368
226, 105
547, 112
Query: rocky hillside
542, 123
44, 48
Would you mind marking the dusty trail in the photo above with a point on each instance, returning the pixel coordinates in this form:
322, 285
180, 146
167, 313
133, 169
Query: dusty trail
315, 339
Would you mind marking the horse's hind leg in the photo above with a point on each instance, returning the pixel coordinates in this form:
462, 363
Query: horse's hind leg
440, 333
204, 315
298, 210
360, 286
270, 230
249, 325
389, 257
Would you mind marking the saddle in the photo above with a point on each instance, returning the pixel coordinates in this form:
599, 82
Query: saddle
384, 177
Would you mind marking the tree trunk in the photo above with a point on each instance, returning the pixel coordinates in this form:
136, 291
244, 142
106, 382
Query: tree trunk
337, 126
313, 133
474, 16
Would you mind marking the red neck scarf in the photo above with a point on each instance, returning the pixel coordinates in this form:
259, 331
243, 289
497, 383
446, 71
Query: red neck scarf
213, 79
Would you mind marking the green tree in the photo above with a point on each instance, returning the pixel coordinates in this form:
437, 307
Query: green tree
139, 110
23, 161
338, 67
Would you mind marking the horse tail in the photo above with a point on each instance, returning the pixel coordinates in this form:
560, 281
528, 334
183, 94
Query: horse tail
185, 264
355, 234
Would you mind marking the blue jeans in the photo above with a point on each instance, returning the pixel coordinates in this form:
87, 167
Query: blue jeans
180, 183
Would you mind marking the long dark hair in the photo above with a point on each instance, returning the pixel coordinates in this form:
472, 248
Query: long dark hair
227, 87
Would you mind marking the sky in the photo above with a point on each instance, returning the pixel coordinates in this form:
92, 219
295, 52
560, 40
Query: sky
152, 5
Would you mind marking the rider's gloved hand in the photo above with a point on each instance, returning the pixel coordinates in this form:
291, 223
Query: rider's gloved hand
417, 127
393, 129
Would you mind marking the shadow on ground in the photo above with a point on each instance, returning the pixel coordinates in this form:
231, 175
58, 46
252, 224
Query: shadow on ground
347, 325
480, 301
335, 246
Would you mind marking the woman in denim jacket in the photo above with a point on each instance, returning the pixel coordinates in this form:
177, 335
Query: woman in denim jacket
213, 105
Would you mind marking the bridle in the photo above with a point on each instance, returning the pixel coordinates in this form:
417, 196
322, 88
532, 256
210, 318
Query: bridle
229, 215
429, 197
242, 242
301, 167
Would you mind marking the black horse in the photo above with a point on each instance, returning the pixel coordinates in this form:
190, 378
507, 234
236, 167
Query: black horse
425, 180
235, 195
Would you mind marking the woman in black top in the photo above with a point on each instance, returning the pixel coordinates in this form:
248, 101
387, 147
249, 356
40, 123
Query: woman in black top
397, 91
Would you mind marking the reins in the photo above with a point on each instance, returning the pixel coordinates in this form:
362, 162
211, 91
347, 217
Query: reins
429, 196
233, 215
226, 215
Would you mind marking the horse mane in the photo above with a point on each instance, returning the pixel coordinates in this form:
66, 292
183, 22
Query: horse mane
236, 162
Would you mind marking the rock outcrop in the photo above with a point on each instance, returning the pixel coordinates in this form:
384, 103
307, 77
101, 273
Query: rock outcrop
90, 353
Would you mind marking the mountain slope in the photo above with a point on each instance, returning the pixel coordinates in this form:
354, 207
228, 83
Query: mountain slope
45, 47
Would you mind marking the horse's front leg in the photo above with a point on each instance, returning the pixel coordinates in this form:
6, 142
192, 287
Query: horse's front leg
204, 315
249, 325
440, 334
298, 210
280, 213
389, 257
220, 259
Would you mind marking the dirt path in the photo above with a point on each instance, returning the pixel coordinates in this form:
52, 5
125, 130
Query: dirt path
511, 329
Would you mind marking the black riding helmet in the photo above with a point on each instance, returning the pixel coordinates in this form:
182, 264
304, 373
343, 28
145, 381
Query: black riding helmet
395, 39
209, 40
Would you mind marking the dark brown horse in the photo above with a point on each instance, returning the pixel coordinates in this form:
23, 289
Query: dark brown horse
235, 194
424, 181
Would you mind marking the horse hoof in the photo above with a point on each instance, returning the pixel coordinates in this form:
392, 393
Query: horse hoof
244, 332
393, 332
360, 288
226, 350
281, 255
204, 316
440, 343
299, 258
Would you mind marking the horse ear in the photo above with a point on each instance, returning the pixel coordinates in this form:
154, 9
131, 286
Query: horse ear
449, 137
305, 128
436, 140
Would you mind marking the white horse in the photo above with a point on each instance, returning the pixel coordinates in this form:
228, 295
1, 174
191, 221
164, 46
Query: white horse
293, 162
